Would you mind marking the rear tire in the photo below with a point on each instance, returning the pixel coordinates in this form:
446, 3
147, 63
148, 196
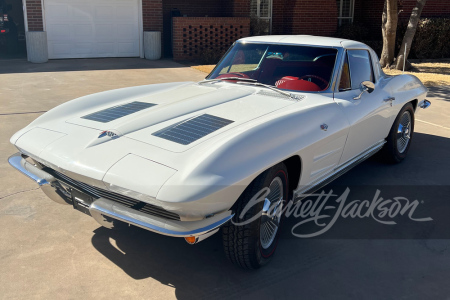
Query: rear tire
253, 245
400, 137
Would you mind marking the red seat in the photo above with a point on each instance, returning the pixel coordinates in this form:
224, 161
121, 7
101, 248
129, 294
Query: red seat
293, 83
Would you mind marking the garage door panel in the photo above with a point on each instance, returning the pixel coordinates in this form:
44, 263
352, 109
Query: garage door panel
61, 49
81, 13
59, 32
83, 32
57, 12
105, 12
96, 28
82, 48
105, 32
126, 48
126, 32
105, 49
125, 12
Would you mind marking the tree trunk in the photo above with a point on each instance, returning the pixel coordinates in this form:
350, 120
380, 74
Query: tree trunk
409, 34
389, 29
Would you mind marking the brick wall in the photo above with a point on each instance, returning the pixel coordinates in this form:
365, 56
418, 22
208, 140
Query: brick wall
315, 17
34, 15
152, 15
240, 8
192, 36
200, 8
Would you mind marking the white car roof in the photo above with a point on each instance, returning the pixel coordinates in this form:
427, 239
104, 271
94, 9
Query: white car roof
306, 40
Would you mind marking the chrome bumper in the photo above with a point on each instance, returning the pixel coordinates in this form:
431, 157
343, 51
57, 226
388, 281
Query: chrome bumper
103, 207
424, 104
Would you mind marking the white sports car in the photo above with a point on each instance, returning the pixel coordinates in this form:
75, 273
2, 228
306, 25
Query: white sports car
182, 159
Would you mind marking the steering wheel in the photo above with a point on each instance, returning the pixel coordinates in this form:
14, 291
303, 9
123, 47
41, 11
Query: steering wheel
325, 82
233, 74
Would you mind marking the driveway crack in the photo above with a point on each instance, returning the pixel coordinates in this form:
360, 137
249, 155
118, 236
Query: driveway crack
19, 192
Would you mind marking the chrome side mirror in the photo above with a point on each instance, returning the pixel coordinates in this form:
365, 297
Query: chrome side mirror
366, 86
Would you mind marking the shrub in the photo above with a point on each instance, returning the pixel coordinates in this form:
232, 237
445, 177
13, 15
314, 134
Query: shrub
258, 26
431, 39
356, 32
210, 56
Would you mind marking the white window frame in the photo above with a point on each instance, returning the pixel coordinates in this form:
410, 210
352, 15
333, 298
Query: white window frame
352, 11
258, 13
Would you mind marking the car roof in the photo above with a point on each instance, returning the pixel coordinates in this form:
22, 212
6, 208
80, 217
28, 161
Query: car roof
305, 40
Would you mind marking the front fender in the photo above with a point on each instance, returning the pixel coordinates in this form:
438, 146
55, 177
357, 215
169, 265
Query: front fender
220, 170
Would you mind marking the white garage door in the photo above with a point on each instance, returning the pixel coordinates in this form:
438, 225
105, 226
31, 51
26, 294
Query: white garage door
92, 28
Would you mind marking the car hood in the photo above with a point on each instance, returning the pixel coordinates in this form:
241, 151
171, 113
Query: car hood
72, 138
220, 106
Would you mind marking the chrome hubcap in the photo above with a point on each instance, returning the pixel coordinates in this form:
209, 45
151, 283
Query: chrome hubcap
404, 132
271, 213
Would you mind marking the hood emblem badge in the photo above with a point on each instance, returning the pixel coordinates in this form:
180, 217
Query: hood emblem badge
324, 127
109, 133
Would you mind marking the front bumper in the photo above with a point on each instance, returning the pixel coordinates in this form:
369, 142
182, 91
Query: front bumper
102, 207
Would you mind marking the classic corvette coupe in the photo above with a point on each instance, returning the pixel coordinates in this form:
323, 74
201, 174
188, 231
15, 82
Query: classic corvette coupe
284, 114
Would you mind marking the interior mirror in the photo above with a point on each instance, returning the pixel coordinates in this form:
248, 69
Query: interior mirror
366, 86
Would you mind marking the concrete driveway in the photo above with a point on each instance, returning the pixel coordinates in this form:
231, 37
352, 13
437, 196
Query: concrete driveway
51, 251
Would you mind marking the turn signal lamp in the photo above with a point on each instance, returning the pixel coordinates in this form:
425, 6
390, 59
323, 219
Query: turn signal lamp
191, 239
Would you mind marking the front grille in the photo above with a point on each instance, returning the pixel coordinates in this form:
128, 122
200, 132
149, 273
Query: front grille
188, 131
123, 200
116, 112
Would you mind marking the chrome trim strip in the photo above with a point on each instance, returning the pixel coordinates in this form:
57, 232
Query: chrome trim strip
338, 171
101, 207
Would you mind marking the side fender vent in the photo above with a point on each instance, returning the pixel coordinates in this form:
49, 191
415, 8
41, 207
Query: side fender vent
116, 112
188, 131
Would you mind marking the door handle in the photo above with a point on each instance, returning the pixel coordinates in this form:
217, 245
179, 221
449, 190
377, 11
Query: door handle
389, 99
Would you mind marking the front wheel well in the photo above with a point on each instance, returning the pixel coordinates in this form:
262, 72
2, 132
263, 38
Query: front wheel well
414, 104
294, 168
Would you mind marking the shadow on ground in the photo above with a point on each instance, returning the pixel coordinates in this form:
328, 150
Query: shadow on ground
442, 92
313, 268
64, 65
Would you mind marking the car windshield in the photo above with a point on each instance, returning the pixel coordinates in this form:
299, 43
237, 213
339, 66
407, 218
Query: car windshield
295, 68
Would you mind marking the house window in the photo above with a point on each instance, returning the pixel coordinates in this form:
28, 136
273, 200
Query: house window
346, 9
261, 12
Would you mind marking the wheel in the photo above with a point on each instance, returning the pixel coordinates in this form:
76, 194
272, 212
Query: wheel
399, 138
252, 244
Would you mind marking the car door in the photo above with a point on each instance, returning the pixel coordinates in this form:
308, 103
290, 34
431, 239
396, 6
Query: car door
369, 116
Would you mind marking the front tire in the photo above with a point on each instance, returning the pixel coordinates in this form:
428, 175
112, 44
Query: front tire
253, 245
399, 139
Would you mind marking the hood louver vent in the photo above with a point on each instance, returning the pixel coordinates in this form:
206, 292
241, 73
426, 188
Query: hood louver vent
116, 112
189, 131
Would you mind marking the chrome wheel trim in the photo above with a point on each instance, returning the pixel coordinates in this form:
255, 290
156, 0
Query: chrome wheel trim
404, 132
271, 213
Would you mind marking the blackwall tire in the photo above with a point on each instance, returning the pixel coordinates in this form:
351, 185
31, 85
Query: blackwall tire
253, 245
400, 137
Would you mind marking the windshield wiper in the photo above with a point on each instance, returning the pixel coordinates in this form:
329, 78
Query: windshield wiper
273, 89
228, 78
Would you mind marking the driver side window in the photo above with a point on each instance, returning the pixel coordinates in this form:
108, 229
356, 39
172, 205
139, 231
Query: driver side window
360, 67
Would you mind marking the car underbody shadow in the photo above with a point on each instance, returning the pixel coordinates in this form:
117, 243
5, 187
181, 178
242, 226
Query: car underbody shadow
320, 267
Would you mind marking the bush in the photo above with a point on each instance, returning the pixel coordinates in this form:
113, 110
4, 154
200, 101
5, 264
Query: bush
432, 39
210, 56
356, 32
